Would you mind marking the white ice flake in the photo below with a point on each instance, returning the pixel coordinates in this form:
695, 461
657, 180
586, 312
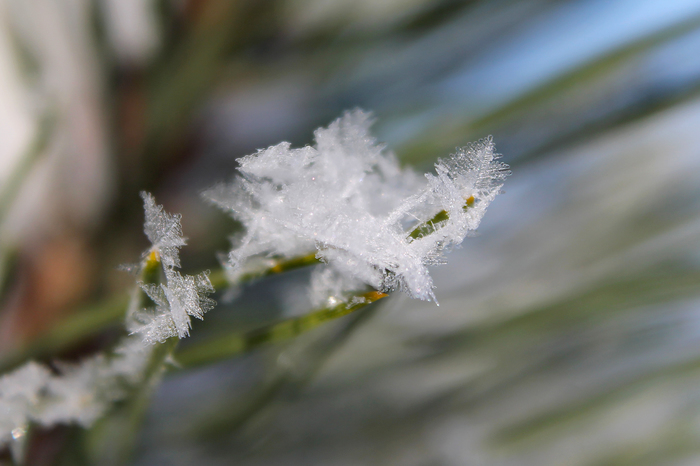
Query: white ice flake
74, 393
176, 301
181, 296
80, 393
163, 230
19, 391
372, 222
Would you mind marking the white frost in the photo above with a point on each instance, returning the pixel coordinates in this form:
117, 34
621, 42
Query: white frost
349, 200
76, 393
181, 296
371, 222
81, 393
163, 230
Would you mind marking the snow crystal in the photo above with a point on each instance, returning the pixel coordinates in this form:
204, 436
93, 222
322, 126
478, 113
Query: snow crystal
176, 301
78, 393
81, 393
163, 230
18, 397
372, 222
181, 296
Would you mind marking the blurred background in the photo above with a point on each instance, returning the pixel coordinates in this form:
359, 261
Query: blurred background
568, 331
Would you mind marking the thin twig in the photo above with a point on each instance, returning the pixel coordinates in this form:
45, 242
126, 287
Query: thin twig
229, 345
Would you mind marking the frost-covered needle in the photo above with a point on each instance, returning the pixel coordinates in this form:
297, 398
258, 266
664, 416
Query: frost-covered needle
348, 200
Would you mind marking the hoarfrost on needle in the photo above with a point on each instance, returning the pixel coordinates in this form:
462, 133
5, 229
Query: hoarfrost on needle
347, 198
77, 393
371, 221
81, 393
163, 230
181, 296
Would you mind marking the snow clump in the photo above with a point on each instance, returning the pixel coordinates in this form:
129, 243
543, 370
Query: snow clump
180, 296
370, 221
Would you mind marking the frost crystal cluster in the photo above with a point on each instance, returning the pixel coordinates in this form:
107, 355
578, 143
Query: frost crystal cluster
72, 393
180, 296
346, 198
81, 393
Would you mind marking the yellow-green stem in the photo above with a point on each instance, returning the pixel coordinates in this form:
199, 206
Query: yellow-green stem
434, 224
233, 344
111, 313
282, 265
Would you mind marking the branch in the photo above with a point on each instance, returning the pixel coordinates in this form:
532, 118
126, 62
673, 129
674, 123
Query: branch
230, 345
110, 313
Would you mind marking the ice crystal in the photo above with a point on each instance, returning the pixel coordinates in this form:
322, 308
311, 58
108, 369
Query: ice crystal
163, 230
81, 393
176, 301
181, 296
372, 222
19, 393
77, 393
